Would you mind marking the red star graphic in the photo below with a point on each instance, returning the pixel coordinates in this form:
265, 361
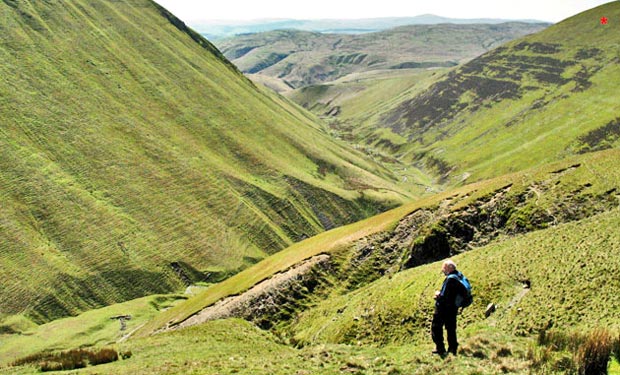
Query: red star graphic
604, 20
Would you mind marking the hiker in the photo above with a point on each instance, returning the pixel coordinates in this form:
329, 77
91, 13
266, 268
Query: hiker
446, 310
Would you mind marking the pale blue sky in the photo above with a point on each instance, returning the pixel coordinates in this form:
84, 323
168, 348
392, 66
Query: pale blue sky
545, 10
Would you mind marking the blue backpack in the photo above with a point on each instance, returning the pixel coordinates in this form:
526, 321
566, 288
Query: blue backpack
465, 299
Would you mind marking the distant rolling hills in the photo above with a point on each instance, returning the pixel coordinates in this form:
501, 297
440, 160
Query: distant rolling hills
134, 159
285, 59
218, 29
536, 99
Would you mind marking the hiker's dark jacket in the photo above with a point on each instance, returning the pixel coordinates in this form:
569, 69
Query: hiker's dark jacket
450, 289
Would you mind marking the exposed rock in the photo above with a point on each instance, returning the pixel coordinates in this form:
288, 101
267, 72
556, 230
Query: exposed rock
489, 310
265, 298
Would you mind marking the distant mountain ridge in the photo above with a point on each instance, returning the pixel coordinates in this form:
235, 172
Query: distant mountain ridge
216, 29
293, 58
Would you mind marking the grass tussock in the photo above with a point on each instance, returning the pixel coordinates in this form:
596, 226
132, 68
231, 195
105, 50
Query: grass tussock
71, 359
593, 357
616, 348
573, 352
560, 340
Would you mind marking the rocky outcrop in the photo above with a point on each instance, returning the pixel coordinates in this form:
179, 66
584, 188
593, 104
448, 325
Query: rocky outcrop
267, 302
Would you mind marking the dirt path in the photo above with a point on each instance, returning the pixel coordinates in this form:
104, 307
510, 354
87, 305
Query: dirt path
520, 292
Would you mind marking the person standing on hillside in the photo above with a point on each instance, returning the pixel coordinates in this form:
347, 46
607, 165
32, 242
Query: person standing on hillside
446, 310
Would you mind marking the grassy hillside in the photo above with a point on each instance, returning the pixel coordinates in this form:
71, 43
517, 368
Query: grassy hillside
301, 58
342, 102
234, 346
533, 100
134, 159
362, 314
569, 268
436, 227
121, 193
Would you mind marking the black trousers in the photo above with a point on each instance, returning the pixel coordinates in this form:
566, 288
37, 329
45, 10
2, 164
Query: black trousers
443, 318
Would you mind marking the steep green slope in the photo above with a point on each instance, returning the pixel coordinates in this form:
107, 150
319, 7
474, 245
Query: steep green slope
533, 100
301, 58
545, 226
418, 233
134, 159
553, 229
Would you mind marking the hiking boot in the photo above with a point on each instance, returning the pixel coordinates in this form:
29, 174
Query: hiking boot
440, 353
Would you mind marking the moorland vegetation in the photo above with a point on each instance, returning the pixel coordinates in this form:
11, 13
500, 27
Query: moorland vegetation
237, 207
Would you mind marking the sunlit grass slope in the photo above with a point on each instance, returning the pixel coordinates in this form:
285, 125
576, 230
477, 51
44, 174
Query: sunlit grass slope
569, 267
354, 100
597, 172
383, 326
534, 100
134, 159
236, 346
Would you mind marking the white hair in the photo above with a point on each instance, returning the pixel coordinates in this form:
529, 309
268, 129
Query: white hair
450, 263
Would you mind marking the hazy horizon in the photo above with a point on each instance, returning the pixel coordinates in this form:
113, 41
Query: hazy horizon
549, 11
